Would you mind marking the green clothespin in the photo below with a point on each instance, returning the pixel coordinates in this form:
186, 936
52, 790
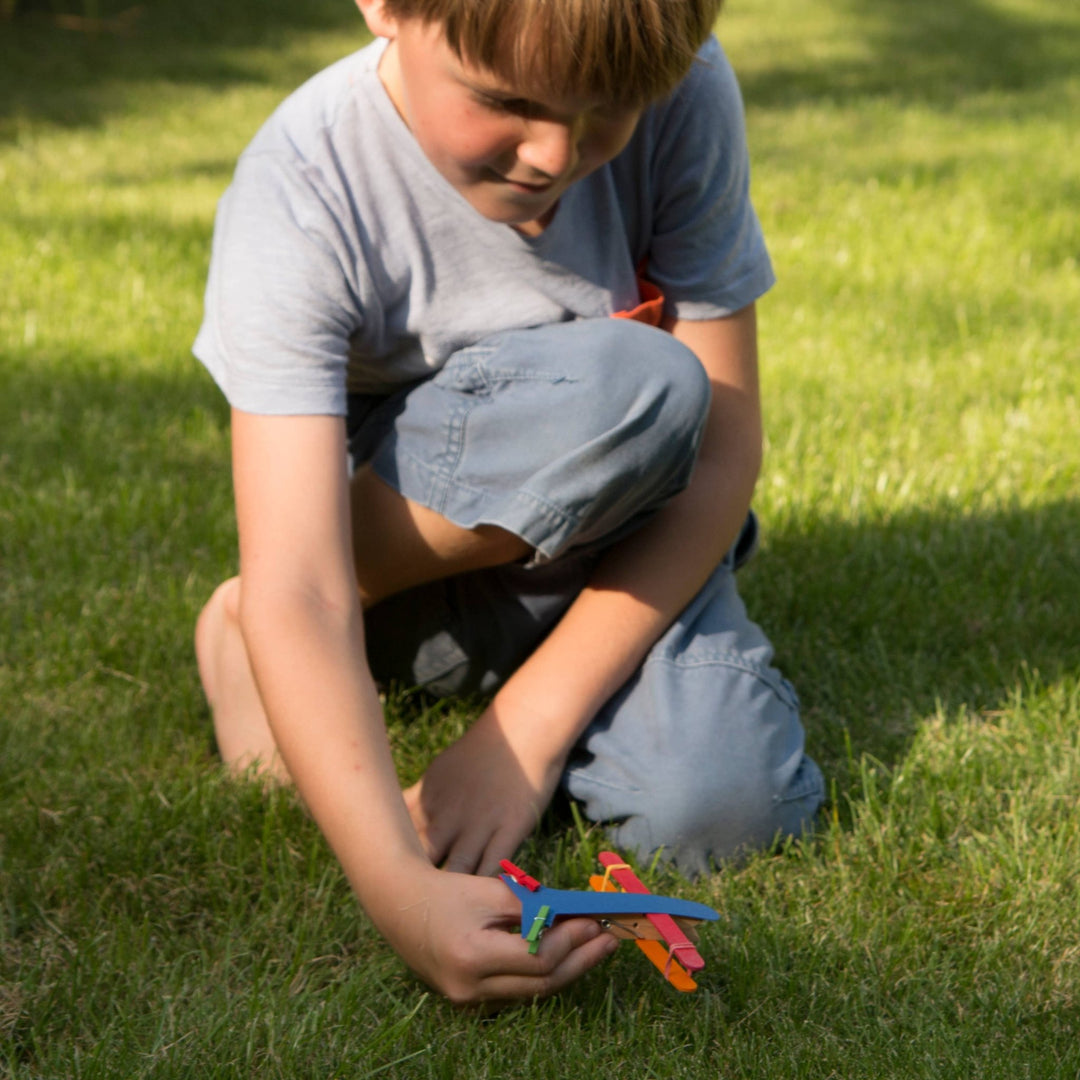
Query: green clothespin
537, 928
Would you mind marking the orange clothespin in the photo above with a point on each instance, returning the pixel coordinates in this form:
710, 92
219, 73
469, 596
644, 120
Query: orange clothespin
680, 956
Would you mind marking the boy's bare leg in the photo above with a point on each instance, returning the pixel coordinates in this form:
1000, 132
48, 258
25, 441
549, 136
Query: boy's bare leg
240, 725
397, 544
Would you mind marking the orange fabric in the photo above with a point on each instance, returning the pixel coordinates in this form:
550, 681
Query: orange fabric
651, 308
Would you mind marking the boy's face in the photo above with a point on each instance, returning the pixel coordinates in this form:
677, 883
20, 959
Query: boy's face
510, 154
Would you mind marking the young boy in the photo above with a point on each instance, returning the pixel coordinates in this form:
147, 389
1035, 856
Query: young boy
453, 466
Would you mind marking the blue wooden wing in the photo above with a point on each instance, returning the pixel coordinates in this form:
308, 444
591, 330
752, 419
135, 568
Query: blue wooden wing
612, 906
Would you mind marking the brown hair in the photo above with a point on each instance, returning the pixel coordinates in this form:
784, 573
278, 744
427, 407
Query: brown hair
627, 52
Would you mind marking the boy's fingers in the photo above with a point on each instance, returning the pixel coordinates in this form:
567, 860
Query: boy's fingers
568, 956
431, 848
476, 852
479, 851
501, 846
562, 939
463, 857
434, 845
508, 953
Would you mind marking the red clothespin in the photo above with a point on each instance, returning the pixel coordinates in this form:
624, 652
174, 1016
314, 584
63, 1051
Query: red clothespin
519, 875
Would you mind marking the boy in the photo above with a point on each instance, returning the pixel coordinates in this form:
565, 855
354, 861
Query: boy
428, 240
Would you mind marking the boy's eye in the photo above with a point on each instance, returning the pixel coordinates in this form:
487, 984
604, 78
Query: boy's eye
514, 106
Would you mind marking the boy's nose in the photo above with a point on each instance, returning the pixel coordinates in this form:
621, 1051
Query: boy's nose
550, 147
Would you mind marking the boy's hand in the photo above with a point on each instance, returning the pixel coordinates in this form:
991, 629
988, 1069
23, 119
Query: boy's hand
455, 932
484, 794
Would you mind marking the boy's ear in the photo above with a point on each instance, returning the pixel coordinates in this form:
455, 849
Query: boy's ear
378, 21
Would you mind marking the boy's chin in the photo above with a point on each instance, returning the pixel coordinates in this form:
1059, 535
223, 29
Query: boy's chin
525, 219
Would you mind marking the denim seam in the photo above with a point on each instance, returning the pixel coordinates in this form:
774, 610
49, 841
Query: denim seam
477, 377
493, 379
813, 784
455, 444
736, 661
597, 781
442, 479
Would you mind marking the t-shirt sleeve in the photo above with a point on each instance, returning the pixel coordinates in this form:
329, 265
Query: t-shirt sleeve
707, 252
280, 307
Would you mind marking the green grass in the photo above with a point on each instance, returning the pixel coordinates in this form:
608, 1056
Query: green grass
916, 173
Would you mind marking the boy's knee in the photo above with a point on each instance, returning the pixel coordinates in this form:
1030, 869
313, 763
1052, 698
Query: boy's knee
727, 814
645, 377
225, 601
703, 760
219, 615
628, 422
564, 435
605, 374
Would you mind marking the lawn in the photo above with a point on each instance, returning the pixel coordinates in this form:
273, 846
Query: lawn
915, 168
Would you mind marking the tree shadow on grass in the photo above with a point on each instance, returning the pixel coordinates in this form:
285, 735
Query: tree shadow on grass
881, 623
112, 481
929, 52
916, 49
76, 78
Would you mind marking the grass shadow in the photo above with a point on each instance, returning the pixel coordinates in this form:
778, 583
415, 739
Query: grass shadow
915, 49
880, 624
76, 79
115, 501
928, 53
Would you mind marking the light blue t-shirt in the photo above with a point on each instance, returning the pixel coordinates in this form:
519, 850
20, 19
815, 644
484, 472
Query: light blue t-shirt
344, 262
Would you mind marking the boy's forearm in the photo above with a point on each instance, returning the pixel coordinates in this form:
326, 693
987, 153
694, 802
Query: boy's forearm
327, 721
635, 593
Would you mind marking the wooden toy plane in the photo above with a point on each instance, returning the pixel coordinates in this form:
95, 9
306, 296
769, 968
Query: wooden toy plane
661, 925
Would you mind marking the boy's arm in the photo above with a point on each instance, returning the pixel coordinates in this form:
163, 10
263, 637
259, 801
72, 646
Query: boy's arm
483, 795
301, 622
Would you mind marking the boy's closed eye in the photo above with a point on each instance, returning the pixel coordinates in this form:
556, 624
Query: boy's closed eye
516, 106
528, 109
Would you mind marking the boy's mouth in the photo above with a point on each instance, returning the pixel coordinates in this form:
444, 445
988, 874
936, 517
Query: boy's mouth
526, 187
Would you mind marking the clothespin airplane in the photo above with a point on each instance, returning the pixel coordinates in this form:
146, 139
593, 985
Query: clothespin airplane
662, 926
